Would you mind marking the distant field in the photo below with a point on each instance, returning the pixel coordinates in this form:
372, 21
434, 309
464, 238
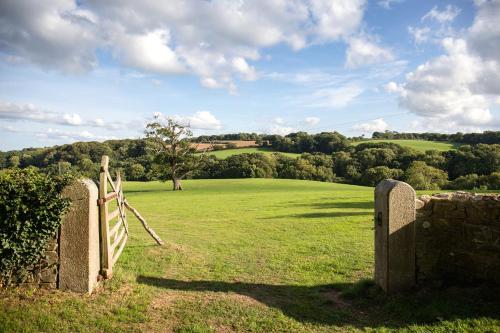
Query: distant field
229, 152
420, 145
250, 255
201, 146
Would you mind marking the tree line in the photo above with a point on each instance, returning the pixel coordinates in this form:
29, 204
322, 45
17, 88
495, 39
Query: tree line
327, 156
488, 137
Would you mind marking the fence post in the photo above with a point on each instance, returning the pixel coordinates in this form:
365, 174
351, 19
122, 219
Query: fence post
79, 239
106, 256
394, 236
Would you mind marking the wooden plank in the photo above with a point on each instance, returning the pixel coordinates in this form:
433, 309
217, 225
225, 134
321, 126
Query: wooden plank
118, 183
113, 215
144, 223
111, 196
117, 254
115, 228
120, 200
121, 204
118, 239
106, 258
110, 180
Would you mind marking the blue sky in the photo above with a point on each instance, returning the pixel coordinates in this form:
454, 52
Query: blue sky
95, 70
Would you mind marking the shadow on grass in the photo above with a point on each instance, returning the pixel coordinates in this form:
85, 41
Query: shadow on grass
364, 205
318, 215
360, 304
167, 188
350, 205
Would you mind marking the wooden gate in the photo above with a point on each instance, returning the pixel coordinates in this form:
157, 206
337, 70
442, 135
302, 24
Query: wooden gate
113, 225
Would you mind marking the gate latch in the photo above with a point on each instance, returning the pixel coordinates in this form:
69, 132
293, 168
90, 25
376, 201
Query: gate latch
379, 219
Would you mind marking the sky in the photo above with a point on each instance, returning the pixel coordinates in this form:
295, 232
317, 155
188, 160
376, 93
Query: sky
96, 70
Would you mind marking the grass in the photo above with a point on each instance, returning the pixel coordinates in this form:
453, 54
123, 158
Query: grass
249, 255
420, 145
222, 154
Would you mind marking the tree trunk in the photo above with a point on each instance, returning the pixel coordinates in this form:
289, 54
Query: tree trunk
177, 184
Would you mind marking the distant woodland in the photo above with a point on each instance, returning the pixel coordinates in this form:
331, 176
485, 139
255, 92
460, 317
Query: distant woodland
327, 156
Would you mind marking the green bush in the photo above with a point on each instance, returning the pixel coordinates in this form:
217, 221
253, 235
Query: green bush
31, 206
467, 182
424, 177
375, 175
473, 181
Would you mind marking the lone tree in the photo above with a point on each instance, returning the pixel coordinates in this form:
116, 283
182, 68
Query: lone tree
174, 154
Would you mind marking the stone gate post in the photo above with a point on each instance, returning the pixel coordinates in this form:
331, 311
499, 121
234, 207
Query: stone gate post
394, 236
79, 239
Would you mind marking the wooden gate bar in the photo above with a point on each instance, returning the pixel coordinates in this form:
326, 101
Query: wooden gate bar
113, 239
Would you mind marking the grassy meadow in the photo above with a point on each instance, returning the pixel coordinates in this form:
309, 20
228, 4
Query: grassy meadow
419, 145
249, 255
222, 154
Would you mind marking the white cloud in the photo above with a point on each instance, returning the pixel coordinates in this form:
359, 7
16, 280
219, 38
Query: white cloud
376, 125
420, 35
335, 88
424, 125
334, 97
246, 71
29, 112
311, 121
458, 87
484, 35
387, 4
71, 136
445, 16
209, 82
10, 129
149, 51
11, 111
446, 87
280, 130
200, 120
72, 119
336, 19
278, 121
52, 34
362, 52
214, 40
393, 87
438, 26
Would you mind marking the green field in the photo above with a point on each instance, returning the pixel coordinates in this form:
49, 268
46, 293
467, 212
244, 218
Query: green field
249, 255
229, 152
420, 145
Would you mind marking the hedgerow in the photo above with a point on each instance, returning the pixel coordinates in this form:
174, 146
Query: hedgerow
31, 207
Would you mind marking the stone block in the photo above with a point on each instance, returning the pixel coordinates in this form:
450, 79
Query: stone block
49, 275
52, 245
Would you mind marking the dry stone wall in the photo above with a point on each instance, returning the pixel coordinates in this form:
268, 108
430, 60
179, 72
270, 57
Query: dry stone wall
443, 239
71, 260
457, 238
45, 273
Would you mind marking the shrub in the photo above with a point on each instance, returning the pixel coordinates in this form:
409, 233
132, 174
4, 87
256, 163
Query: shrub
135, 172
375, 175
467, 182
31, 206
491, 182
424, 177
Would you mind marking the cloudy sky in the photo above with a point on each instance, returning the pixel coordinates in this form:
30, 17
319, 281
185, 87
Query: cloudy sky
93, 70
